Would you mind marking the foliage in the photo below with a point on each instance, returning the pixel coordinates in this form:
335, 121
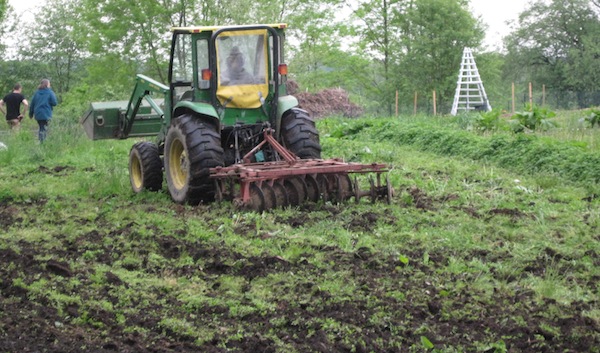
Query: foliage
555, 43
533, 118
429, 64
371, 48
414, 48
593, 118
56, 50
316, 58
528, 154
488, 121
3, 8
25, 72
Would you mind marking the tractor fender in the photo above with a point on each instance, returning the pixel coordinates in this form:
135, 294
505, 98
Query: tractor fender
285, 103
206, 112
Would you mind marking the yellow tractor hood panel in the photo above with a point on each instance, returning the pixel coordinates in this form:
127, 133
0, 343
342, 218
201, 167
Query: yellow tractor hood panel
242, 96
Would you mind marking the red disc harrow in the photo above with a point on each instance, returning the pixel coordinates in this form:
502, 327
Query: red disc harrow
292, 181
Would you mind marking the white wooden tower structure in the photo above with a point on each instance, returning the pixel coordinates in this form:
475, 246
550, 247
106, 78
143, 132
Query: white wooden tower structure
470, 94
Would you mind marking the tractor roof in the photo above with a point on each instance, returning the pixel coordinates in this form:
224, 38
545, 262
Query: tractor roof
198, 29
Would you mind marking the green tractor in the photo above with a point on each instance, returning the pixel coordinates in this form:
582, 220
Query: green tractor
225, 126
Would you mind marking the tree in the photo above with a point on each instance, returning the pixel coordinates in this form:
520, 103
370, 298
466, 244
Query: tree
52, 45
417, 45
315, 45
381, 25
3, 12
438, 31
3, 8
556, 44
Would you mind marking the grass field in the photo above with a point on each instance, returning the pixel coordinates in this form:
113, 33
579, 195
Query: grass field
491, 244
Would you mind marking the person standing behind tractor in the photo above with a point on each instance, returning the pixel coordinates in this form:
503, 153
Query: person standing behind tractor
41, 107
13, 103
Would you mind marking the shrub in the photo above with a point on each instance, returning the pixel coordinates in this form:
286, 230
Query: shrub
593, 118
488, 121
534, 118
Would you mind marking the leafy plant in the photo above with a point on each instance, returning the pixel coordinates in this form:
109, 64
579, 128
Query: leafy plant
488, 121
593, 118
533, 118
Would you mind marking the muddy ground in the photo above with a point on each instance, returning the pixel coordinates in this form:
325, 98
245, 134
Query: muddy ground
392, 307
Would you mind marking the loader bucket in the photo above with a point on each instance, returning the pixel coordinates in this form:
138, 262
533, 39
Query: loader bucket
102, 119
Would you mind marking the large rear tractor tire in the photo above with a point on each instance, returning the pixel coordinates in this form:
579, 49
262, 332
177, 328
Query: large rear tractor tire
300, 134
145, 167
191, 149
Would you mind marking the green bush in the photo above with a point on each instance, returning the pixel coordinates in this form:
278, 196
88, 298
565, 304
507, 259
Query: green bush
522, 153
532, 119
593, 118
488, 121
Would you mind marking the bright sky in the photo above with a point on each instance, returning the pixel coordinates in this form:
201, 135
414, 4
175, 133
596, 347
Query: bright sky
23, 7
494, 13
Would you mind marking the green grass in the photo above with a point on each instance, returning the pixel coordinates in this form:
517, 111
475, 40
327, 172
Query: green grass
490, 244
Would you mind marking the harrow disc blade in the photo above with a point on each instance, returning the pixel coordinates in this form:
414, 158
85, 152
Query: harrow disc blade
324, 187
292, 192
344, 187
313, 189
300, 187
257, 199
281, 196
373, 190
269, 196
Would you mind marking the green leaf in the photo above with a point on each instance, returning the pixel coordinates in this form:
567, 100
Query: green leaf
426, 343
403, 259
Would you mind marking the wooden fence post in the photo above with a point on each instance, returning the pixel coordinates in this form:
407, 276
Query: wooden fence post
396, 103
530, 96
434, 104
415, 104
513, 97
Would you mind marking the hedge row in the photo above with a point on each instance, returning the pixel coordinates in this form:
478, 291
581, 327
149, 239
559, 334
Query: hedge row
520, 152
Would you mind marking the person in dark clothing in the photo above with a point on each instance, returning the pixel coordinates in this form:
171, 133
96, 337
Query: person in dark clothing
13, 102
236, 73
42, 103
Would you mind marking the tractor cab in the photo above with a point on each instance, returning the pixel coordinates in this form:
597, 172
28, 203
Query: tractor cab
237, 70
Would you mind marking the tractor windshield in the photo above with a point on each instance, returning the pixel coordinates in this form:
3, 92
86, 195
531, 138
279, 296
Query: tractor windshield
242, 68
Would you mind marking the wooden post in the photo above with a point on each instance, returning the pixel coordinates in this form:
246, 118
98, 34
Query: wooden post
396, 103
513, 97
434, 104
530, 96
415, 104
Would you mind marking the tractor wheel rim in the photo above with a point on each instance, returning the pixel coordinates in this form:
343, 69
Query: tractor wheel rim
179, 165
136, 173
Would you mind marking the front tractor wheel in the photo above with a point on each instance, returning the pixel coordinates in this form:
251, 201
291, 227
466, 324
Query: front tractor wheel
191, 149
145, 167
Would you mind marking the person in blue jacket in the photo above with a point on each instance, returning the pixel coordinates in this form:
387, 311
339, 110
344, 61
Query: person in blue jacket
42, 103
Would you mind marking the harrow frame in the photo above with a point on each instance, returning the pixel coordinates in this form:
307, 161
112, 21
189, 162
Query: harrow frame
291, 180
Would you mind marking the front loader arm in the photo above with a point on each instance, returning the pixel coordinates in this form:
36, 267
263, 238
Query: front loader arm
144, 87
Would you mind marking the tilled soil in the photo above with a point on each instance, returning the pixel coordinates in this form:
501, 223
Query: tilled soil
66, 295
